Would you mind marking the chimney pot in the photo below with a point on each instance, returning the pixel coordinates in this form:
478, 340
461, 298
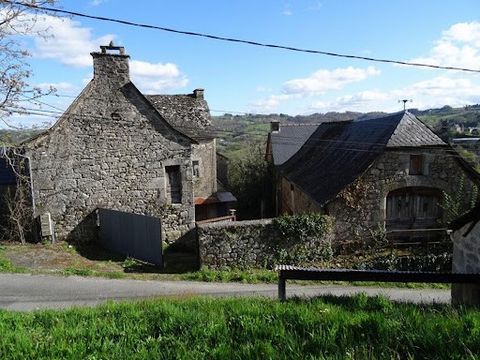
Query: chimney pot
198, 93
275, 126
111, 64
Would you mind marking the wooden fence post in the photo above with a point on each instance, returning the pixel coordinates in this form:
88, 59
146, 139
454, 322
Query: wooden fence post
282, 294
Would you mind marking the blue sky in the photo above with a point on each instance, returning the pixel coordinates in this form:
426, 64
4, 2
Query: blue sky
243, 78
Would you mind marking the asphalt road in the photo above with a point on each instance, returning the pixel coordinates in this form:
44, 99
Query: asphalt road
30, 292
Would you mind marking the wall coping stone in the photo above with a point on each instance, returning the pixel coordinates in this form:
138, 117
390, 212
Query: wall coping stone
226, 224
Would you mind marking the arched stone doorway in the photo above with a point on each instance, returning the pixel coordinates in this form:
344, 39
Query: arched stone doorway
413, 208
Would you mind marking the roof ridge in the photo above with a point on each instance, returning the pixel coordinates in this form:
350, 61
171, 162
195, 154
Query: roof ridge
316, 124
417, 134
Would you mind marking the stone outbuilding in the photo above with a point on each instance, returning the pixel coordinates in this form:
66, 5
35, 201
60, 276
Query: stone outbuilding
466, 255
384, 173
116, 148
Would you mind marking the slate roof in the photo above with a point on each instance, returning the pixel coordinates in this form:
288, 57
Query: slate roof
286, 142
337, 153
411, 132
186, 113
289, 140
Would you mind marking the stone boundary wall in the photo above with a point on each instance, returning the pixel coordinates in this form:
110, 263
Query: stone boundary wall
466, 260
242, 244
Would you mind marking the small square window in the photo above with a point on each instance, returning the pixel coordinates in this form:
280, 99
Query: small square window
416, 165
196, 168
173, 184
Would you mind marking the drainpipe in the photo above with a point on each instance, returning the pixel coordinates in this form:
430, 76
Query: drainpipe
30, 175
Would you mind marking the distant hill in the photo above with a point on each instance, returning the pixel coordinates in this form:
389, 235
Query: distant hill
235, 132
12, 137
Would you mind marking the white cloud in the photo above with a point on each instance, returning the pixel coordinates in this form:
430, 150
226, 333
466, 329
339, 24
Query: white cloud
270, 103
157, 77
287, 12
323, 80
66, 41
96, 2
316, 84
315, 6
431, 93
355, 102
464, 32
263, 89
459, 46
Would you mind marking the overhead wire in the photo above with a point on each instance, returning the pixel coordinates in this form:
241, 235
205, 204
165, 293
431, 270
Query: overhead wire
240, 41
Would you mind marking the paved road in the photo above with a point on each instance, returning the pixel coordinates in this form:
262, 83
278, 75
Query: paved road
29, 292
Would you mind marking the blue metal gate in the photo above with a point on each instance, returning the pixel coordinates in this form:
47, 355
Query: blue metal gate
137, 236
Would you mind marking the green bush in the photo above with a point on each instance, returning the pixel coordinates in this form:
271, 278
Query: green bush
441, 262
303, 238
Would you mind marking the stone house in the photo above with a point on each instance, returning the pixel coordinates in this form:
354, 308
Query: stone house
116, 148
383, 173
466, 255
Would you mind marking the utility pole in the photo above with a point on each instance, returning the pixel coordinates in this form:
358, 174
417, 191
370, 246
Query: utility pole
405, 102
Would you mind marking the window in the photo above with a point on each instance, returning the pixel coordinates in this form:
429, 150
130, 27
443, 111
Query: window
173, 184
416, 165
196, 168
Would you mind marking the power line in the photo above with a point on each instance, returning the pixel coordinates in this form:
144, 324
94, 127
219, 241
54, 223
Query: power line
242, 41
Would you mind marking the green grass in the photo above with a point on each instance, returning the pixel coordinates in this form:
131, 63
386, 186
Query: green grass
255, 276
205, 328
6, 265
90, 272
251, 276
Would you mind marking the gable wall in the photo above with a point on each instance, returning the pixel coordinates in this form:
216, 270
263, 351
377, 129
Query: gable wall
95, 159
361, 206
294, 200
206, 184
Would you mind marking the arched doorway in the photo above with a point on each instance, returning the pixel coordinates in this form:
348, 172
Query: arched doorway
413, 208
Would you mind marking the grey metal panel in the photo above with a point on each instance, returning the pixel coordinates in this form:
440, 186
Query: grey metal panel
137, 236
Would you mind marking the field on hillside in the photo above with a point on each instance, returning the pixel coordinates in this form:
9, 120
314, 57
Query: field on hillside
203, 328
236, 133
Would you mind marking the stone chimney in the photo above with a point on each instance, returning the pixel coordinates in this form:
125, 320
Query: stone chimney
275, 126
198, 93
111, 65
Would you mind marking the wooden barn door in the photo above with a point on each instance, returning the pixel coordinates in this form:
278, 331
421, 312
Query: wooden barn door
413, 208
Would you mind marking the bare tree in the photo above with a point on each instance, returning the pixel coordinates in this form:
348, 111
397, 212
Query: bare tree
16, 21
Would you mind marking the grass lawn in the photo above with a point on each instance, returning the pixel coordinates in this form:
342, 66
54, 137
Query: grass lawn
205, 328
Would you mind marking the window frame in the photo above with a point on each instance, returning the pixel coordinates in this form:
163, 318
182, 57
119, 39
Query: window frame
176, 170
416, 164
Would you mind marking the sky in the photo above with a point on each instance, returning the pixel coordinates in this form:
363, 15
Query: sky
240, 78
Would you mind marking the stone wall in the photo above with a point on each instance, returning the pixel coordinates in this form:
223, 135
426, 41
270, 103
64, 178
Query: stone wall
206, 183
250, 244
222, 169
361, 206
239, 244
466, 260
110, 150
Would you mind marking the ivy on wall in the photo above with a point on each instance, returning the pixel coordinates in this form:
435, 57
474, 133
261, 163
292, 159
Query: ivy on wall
303, 238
